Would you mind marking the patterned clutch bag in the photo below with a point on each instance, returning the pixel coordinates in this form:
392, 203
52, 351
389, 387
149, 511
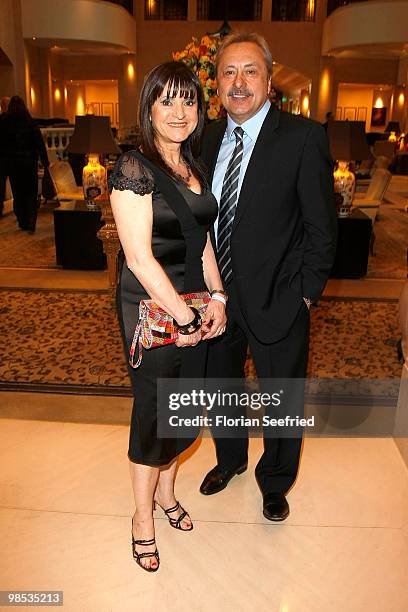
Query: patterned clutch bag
155, 326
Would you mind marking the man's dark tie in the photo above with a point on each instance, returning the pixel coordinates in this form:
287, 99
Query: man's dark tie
228, 205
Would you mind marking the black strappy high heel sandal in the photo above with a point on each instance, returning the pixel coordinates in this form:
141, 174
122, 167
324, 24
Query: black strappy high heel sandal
176, 523
138, 556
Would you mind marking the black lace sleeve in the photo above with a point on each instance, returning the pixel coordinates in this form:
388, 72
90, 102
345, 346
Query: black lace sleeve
130, 174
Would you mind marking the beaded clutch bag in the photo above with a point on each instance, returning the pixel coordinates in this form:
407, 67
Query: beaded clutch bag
156, 327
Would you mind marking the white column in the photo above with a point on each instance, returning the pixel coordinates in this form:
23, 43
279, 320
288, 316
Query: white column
192, 10
266, 11
127, 92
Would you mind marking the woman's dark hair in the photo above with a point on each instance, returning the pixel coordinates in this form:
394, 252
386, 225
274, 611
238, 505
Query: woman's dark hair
180, 81
17, 107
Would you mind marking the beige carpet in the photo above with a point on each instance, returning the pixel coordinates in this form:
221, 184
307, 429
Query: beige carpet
70, 342
21, 250
391, 244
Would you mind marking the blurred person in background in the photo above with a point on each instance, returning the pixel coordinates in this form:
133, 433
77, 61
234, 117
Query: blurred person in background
21, 144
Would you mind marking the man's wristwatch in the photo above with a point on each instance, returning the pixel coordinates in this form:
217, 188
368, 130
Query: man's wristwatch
307, 302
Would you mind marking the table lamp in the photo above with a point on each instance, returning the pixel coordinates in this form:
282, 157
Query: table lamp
93, 136
348, 143
393, 126
393, 129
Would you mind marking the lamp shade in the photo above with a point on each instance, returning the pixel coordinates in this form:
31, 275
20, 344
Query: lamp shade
92, 134
347, 140
393, 126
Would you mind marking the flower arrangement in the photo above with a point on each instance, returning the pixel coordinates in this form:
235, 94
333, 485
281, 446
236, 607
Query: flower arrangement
200, 58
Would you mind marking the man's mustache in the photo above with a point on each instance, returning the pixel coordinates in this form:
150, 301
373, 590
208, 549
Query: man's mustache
239, 92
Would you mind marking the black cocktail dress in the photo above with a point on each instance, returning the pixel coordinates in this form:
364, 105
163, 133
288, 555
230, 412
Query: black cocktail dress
181, 220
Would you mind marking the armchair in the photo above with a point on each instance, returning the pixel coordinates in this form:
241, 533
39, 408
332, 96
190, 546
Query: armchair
370, 201
64, 182
383, 152
6, 198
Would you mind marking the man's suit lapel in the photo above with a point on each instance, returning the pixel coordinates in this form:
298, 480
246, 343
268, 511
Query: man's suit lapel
213, 146
210, 156
261, 156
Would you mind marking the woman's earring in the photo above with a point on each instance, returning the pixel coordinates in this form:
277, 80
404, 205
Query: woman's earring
150, 118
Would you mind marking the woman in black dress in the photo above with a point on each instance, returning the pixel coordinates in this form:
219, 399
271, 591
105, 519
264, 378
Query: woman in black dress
163, 211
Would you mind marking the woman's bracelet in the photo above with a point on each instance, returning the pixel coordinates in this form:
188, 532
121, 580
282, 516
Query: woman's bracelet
219, 292
192, 327
219, 298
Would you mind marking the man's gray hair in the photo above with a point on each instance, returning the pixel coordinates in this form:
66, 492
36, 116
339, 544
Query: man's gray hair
242, 37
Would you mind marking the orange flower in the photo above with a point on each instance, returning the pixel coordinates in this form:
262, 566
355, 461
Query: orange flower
203, 76
212, 113
207, 41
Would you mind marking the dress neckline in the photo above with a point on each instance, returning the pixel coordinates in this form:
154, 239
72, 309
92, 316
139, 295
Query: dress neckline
190, 190
177, 182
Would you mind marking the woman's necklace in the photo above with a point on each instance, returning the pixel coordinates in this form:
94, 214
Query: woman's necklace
185, 179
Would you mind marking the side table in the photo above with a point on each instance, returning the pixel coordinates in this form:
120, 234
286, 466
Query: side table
76, 243
353, 245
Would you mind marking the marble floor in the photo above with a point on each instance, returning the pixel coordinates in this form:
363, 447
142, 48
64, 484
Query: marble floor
66, 502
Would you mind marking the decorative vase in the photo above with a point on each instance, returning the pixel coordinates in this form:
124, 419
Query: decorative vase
93, 179
344, 187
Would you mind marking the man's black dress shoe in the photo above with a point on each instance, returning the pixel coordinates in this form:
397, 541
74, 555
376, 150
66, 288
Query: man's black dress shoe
275, 507
217, 479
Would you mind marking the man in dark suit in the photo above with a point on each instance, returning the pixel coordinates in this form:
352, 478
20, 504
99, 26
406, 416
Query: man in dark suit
275, 240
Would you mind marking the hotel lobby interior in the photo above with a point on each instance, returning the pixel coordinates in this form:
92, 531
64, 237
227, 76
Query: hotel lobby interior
65, 395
